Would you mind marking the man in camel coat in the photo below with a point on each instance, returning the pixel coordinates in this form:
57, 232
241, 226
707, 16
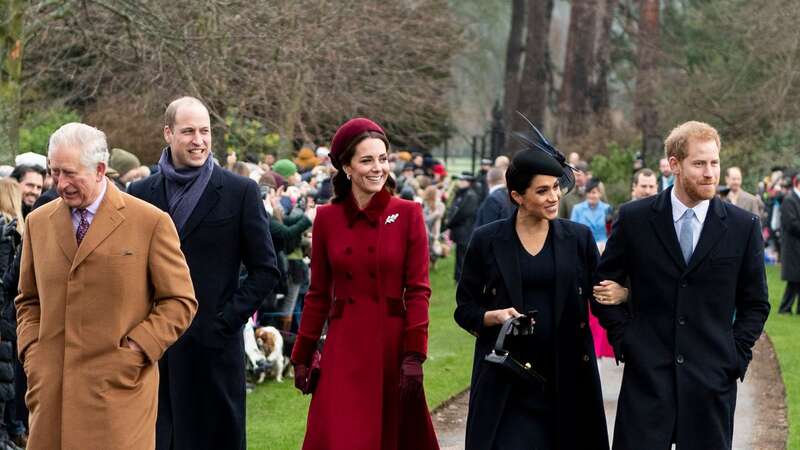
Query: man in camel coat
104, 290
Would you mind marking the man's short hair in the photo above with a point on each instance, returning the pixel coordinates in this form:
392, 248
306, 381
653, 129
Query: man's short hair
728, 170
21, 170
677, 143
496, 176
582, 165
172, 109
642, 173
89, 140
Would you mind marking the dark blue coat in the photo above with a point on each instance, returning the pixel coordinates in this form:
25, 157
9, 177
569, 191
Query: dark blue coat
491, 280
495, 207
202, 393
682, 347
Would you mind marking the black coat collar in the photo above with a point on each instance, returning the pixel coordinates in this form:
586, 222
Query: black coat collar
206, 203
713, 229
506, 255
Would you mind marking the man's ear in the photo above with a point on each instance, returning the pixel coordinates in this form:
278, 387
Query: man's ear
674, 165
167, 134
101, 170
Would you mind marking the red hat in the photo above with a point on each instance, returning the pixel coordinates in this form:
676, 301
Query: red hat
438, 169
346, 133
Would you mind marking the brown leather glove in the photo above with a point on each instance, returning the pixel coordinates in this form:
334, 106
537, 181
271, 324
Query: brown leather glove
411, 375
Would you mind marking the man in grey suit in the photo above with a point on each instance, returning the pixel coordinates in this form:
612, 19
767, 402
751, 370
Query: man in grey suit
740, 197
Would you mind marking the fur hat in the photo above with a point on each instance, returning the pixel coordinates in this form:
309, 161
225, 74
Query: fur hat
284, 167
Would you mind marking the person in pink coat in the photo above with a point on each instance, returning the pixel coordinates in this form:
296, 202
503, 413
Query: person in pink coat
369, 281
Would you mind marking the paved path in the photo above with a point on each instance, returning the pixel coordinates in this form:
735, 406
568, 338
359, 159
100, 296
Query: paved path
450, 421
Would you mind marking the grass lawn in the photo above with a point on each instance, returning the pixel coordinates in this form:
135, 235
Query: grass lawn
276, 412
784, 331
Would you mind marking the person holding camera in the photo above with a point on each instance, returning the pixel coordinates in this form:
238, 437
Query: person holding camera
369, 282
537, 264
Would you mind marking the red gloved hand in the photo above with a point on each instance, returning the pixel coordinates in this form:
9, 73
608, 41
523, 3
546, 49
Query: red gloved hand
411, 375
301, 377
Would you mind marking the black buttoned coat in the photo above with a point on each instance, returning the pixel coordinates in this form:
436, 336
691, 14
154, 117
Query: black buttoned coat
491, 280
683, 349
202, 389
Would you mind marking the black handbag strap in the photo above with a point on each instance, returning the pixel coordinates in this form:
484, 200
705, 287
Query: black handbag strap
504, 331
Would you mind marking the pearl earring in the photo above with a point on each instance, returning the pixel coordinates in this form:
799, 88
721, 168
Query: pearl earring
348, 176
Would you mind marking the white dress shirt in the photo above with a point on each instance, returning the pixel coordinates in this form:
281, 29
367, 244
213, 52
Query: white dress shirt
700, 212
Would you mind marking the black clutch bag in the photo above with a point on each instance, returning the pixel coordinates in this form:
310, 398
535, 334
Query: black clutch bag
502, 358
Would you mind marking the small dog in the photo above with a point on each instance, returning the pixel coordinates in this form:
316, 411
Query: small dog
270, 343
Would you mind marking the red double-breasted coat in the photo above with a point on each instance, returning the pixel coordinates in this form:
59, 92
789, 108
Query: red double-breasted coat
369, 280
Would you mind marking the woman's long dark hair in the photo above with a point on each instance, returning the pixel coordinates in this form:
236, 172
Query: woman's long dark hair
341, 185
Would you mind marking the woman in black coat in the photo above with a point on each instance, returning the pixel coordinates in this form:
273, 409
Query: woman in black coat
534, 261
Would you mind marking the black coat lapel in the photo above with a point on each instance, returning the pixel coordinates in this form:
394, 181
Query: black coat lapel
664, 227
506, 253
713, 229
206, 204
564, 254
158, 192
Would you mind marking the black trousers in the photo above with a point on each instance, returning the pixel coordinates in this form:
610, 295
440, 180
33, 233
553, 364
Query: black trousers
792, 291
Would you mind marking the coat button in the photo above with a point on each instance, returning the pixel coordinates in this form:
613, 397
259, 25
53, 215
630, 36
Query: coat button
375, 298
350, 300
371, 249
585, 358
349, 275
582, 325
679, 359
372, 275
494, 291
682, 320
684, 283
348, 250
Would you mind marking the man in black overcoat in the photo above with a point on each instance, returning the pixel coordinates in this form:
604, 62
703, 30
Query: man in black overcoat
222, 223
790, 246
699, 302
461, 217
497, 204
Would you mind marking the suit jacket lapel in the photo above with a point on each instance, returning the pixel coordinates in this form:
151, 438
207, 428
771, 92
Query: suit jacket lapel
564, 253
206, 203
507, 258
107, 219
664, 226
713, 229
61, 218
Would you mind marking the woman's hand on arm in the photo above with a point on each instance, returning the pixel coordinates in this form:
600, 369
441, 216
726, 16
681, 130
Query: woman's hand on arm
499, 316
609, 292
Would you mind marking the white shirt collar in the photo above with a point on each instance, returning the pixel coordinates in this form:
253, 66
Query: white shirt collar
796, 191
494, 188
678, 208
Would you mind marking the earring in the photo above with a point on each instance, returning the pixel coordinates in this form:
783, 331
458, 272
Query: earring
348, 176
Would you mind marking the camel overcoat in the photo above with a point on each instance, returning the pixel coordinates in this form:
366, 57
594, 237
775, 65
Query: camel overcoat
76, 307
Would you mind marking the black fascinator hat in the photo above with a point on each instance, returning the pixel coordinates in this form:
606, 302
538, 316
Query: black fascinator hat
534, 141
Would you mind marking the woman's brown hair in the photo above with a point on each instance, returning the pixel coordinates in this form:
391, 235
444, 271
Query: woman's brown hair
343, 186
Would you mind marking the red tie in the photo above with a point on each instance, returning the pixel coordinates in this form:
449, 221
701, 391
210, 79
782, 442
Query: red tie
83, 225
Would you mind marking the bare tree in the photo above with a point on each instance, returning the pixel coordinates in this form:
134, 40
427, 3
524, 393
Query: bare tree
537, 70
301, 67
647, 76
513, 58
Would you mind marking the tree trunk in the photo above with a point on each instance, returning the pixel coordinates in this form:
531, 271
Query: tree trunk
600, 96
579, 62
513, 57
537, 69
11, 45
647, 77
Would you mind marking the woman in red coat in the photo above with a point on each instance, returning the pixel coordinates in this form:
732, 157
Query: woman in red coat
369, 281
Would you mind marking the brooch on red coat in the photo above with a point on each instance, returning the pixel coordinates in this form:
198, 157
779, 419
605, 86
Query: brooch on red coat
391, 218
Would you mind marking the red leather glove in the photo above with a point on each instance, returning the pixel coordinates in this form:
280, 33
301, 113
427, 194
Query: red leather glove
305, 377
411, 375
301, 377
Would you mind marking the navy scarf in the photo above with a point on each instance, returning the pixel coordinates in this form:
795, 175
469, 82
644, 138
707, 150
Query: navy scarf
184, 186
